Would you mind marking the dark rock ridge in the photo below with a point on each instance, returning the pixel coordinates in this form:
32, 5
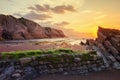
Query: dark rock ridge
62, 64
12, 28
109, 39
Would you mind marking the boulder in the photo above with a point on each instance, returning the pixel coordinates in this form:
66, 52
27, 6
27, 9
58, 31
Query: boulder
25, 60
77, 59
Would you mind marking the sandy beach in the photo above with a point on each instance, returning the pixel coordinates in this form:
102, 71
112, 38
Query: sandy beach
8, 47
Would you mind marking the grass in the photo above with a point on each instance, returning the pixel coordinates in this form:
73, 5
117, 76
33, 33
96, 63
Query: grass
30, 53
86, 57
20, 54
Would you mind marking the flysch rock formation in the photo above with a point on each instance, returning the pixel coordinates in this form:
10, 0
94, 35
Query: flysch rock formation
110, 39
12, 28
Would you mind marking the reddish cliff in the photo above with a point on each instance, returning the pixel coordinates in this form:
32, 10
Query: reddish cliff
12, 28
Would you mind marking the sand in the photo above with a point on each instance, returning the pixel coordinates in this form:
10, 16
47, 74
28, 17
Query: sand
9, 47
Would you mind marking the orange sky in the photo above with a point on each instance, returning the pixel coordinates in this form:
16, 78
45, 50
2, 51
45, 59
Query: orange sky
77, 18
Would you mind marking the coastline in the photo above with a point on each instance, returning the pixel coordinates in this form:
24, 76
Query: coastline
41, 44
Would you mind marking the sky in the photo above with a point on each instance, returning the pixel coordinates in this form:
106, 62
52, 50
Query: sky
76, 18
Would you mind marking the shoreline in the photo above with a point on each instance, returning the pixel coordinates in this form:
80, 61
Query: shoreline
42, 44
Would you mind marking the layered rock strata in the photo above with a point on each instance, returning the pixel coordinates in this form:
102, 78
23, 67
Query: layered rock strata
12, 28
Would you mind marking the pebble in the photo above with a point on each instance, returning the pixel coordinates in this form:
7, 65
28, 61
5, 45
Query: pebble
18, 71
60, 69
77, 59
16, 75
65, 73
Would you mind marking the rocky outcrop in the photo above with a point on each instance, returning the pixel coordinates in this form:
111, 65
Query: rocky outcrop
64, 64
12, 28
53, 32
110, 39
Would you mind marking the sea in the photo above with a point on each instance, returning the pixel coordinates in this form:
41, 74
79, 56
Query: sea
72, 41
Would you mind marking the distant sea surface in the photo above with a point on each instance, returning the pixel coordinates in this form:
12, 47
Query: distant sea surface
70, 40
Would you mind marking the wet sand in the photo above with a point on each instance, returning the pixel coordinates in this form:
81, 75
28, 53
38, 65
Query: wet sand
8, 47
103, 75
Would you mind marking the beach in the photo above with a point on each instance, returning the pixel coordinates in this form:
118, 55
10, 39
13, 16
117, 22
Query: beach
43, 44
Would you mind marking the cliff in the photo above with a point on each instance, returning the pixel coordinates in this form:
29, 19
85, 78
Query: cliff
110, 39
12, 28
105, 33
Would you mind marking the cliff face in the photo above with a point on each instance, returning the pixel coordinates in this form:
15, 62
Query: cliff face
104, 33
12, 28
53, 32
110, 39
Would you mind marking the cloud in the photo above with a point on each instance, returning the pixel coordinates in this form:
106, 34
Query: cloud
34, 16
61, 9
101, 16
91, 12
87, 11
71, 33
9, 0
67, 31
37, 7
75, 34
46, 23
17, 14
61, 24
